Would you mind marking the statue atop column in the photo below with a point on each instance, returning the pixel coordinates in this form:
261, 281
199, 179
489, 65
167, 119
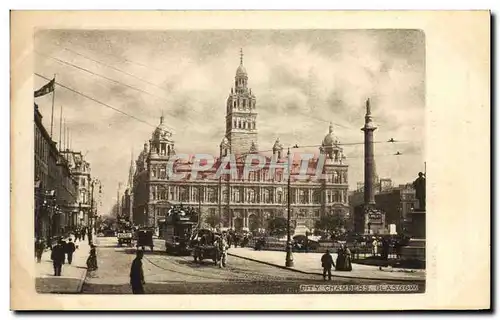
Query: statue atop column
419, 185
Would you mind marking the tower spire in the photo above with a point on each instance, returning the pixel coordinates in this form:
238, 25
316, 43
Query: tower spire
241, 56
161, 118
130, 181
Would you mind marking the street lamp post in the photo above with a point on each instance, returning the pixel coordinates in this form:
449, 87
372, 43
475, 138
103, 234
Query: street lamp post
91, 215
289, 256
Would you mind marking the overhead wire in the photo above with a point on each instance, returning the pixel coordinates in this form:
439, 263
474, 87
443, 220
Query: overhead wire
95, 100
116, 69
155, 85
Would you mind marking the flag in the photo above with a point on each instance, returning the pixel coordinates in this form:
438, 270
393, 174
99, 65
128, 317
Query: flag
48, 88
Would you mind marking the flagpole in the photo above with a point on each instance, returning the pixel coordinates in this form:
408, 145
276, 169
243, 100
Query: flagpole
52, 115
64, 134
60, 129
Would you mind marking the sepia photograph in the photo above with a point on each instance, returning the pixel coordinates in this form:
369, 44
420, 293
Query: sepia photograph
212, 162
235, 162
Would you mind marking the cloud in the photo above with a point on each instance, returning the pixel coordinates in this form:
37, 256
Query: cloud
302, 80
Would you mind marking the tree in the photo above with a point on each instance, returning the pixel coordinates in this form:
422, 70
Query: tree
333, 224
277, 227
213, 220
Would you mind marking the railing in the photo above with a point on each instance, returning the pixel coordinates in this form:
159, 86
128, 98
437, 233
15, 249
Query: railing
357, 251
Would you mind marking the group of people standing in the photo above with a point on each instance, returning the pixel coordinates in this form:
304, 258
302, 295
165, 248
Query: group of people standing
61, 253
342, 263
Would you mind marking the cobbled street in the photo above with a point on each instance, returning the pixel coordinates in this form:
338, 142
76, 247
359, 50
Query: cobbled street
165, 274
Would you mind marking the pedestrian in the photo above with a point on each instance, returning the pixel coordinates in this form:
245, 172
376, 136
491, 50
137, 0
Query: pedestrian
327, 264
92, 259
83, 234
385, 248
397, 248
136, 274
70, 249
344, 259
39, 248
229, 239
375, 247
57, 256
77, 235
64, 246
221, 251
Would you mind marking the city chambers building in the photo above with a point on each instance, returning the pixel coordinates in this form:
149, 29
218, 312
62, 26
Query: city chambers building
246, 202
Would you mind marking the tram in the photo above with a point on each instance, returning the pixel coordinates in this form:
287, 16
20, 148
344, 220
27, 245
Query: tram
176, 230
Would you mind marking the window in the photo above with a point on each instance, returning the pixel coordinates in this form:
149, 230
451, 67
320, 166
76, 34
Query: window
163, 172
316, 196
244, 103
234, 104
236, 195
302, 196
211, 195
336, 177
251, 196
184, 194
279, 197
316, 213
329, 196
267, 196
279, 176
153, 192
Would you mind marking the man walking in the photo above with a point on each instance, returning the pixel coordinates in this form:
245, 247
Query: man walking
327, 264
39, 248
83, 234
137, 274
57, 257
222, 251
70, 249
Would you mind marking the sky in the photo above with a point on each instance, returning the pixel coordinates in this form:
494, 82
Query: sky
302, 80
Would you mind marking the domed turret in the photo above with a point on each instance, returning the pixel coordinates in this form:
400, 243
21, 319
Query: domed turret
241, 72
330, 139
161, 131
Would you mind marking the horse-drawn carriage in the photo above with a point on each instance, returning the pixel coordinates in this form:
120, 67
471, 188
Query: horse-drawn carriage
145, 238
205, 246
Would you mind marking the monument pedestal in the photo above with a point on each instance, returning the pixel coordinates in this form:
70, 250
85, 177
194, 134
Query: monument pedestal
415, 250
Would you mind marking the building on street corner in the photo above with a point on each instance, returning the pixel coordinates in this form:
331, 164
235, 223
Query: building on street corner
62, 185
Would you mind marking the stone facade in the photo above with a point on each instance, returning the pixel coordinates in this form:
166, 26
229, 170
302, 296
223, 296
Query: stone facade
55, 186
80, 170
396, 202
240, 202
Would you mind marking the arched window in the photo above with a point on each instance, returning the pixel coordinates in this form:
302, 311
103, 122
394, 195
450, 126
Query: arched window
234, 104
